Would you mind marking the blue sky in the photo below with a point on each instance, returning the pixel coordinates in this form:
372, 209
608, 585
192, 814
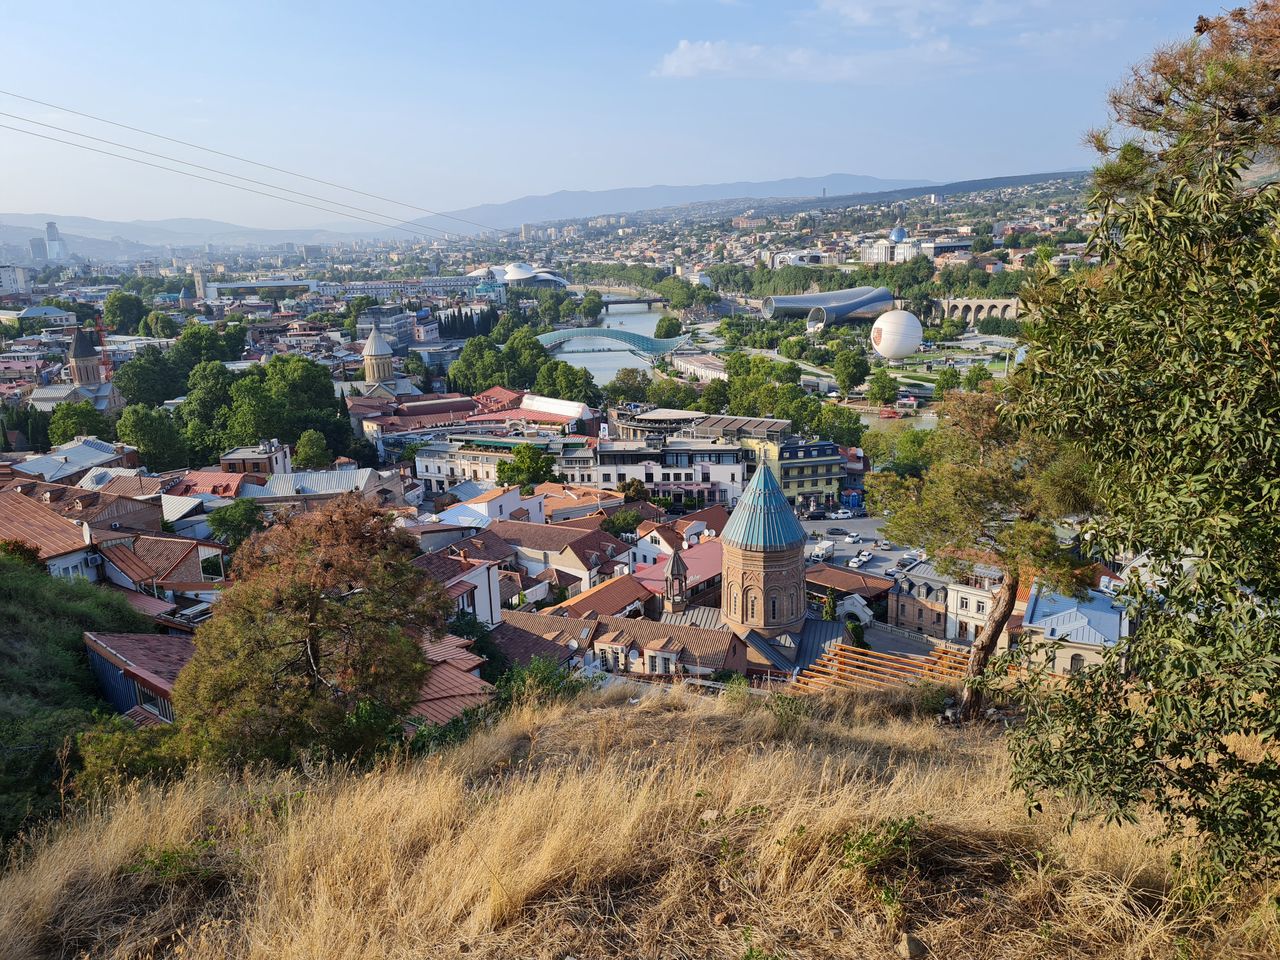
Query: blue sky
445, 104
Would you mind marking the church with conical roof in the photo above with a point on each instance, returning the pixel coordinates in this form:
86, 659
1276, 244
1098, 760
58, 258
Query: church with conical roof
762, 586
380, 378
88, 381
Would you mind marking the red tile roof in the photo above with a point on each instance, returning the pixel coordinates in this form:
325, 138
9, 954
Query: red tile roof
610, 598
154, 659
22, 518
447, 692
844, 580
704, 560
212, 482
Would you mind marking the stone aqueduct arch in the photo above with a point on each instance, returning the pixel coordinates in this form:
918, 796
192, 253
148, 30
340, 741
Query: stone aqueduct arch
973, 309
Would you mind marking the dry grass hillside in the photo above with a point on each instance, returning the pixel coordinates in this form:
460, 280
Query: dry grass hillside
670, 827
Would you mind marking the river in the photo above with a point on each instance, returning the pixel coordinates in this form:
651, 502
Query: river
605, 364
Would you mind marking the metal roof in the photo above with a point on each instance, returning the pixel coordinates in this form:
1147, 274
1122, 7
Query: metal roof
633, 341
763, 520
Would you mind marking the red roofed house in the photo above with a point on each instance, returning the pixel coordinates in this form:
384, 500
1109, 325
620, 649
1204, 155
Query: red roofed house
471, 584
136, 671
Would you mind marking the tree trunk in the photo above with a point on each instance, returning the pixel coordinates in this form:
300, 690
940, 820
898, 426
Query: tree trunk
984, 644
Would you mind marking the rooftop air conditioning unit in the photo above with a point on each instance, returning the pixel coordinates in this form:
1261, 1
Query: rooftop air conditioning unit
95, 559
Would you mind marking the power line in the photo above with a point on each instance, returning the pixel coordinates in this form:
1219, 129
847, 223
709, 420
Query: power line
221, 183
198, 166
265, 166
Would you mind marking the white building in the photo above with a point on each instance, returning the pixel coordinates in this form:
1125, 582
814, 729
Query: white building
14, 281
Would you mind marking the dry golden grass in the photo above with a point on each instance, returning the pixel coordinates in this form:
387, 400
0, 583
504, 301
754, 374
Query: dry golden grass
671, 827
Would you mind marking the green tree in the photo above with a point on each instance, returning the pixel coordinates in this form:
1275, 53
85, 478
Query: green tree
317, 642
851, 370
634, 490
592, 304
624, 521
667, 327
976, 376
948, 378
829, 611
237, 522
1162, 365
992, 490
122, 312
629, 385
79, 419
882, 388
311, 452
149, 378
527, 467
715, 397
157, 323
157, 436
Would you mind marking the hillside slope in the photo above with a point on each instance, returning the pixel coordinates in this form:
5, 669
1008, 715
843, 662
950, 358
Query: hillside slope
668, 826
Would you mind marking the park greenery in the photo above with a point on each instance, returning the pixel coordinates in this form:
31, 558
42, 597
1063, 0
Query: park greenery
527, 468
49, 692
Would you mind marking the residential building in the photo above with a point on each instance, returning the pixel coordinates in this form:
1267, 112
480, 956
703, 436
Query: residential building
969, 601
65, 546
811, 472
267, 458
918, 601
471, 584
307, 489
14, 281
1081, 628
395, 326
136, 672
68, 462
581, 557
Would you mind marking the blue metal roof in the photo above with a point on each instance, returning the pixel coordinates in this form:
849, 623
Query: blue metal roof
763, 520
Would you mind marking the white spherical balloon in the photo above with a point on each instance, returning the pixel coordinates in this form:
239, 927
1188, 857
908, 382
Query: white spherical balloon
896, 334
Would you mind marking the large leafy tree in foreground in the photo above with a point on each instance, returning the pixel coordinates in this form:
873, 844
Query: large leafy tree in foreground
317, 642
1166, 364
989, 498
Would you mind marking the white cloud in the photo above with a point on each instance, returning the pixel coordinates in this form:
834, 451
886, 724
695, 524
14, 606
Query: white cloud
753, 61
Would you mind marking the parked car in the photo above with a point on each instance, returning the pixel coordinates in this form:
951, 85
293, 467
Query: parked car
842, 515
837, 532
816, 515
853, 538
856, 562
865, 555
883, 545
859, 513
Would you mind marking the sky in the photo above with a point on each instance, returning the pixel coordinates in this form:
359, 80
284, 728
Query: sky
441, 105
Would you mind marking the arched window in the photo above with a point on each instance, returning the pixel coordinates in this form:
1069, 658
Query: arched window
1077, 662
773, 609
734, 593
752, 614
791, 603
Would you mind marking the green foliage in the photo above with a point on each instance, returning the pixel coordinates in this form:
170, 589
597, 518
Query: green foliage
667, 327
157, 323
629, 385
542, 681
1002, 327
149, 378
791, 713
114, 751
829, 606
976, 376
527, 467
758, 387
851, 369
311, 453
1182, 718
49, 691
624, 521
236, 522
948, 378
882, 388
160, 443
564, 381
79, 419
634, 490
467, 624
122, 312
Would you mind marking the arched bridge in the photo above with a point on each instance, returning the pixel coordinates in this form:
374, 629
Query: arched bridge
638, 342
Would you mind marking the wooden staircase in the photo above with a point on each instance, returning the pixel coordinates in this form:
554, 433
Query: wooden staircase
851, 668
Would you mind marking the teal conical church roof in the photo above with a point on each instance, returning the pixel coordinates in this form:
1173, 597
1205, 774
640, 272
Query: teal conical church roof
763, 520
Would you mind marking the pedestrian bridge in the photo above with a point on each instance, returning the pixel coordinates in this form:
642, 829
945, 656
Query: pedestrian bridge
649, 346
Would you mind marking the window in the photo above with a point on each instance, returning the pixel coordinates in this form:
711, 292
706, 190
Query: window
937, 617
964, 603
608, 477
653, 663
773, 609
902, 608
753, 607
920, 613
982, 606
1077, 662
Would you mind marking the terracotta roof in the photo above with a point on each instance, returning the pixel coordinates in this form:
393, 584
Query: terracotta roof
846, 581
488, 495
441, 567
447, 692
566, 496
591, 521
485, 545
76, 503
452, 649
554, 537
520, 641
610, 598
703, 561
560, 578
512, 584
145, 558
213, 482
146, 604
699, 647
716, 517
152, 658
22, 518
133, 486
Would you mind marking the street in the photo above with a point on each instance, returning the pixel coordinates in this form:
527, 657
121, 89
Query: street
881, 562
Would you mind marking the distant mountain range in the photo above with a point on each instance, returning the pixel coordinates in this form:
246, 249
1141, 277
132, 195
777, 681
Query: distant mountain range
106, 239
576, 204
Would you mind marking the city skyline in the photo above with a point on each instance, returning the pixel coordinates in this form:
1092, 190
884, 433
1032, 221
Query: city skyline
486, 107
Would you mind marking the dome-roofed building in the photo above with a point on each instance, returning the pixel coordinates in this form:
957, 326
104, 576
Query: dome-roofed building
898, 234
87, 380
763, 576
377, 355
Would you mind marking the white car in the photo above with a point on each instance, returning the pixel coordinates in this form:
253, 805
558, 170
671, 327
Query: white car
856, 562
853, 538
865, 555
842, 515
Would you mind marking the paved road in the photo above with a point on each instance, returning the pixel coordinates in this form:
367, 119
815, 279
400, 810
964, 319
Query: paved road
881, 562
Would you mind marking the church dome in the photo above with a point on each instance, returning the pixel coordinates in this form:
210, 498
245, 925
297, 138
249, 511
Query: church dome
763, 520
376, 345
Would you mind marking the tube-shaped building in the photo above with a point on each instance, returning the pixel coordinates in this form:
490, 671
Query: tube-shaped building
824, 308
